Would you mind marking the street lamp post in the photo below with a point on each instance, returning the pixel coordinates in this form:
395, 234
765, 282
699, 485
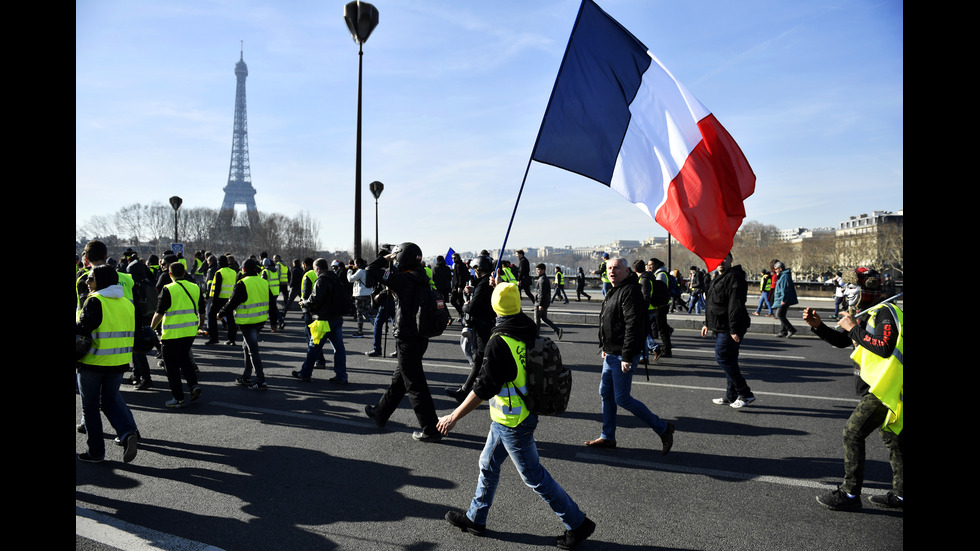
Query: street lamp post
361, 19
175, 203
376, 189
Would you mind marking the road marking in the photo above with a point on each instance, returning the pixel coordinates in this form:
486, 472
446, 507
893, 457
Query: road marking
780, 394
130, 537
715, 473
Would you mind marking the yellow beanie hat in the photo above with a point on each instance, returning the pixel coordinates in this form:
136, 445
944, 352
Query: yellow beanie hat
506, 299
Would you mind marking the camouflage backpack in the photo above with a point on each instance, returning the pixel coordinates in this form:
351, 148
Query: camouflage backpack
549, 382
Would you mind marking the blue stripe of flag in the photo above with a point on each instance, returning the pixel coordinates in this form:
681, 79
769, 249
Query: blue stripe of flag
587, 116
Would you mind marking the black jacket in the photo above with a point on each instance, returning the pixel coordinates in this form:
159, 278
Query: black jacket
622, 320
409, 289
479, 309
724, 303
321, 303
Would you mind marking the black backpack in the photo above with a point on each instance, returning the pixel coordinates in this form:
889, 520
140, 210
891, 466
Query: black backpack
433, 316
549, 382
341, 297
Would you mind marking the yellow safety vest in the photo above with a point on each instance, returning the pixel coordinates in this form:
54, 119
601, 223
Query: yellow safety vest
227, 283
181, 320
559, 279
507, 407
112, 340
255, 308
272, 277
309, 278
885, 376
604, 276
283, 274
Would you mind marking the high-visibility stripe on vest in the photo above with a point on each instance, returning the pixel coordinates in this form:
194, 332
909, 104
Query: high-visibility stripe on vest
507, 407
255, 308
283, 274
604, 276
886, 376
428, 272
272, 277
112, 340
181, 320
227, 283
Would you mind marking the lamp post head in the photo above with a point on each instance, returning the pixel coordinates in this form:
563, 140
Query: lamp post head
361, 19
376, 188
175, 202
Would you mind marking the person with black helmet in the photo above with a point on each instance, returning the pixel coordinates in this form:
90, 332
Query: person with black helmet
249, 306
480, 319
409, 284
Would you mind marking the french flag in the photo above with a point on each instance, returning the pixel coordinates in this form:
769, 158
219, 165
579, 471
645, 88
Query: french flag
618, 116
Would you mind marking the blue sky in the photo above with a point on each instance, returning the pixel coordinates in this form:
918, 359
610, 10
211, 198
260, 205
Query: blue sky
454, 92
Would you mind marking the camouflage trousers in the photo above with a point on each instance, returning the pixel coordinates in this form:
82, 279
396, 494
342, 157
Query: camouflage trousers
869, 416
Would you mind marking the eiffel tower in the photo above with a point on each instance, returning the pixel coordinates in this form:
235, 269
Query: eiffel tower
239, 190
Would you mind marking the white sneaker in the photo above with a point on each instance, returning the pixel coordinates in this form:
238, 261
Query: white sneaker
742, 402
722, 401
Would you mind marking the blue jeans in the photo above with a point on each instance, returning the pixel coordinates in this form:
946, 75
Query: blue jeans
100, 391
518, 444
614, 388
250, 345
696, 302
764, 301
314, 352
386, 312
726, 354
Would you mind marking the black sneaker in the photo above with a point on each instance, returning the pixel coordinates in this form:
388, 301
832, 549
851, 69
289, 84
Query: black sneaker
130, 444
301, 377
667, 438
459, 394
889, 500
837, 500
571, 538
85, 457
369, 411
259, 386
337, 381
243, 381
196, 392
420, 436
463, 522
373, 353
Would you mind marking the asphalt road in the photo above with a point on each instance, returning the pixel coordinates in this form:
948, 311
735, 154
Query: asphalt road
300, 467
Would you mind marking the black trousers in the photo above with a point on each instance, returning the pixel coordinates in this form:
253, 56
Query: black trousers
409, 378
